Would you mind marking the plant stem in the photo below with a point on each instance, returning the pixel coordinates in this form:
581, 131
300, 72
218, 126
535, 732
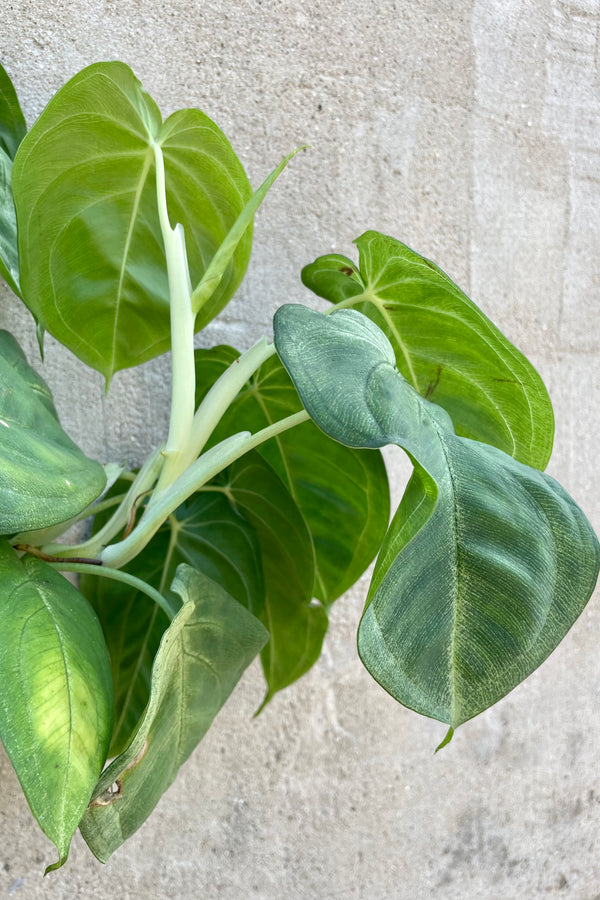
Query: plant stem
206, 467
142, 483
116, 575
222, 394
182, 334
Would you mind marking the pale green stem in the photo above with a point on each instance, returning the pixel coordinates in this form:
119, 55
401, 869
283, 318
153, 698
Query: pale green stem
182, 334
116, 575
144, 480
222, 394
206, 467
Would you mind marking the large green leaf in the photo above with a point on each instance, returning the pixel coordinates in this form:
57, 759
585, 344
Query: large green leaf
201, 658
205, 532
444, 345
296, 625
12, 121
90, 246
56, 701
44, 477
487, 563
342, 493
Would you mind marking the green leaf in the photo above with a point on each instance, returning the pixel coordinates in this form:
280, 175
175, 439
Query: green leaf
205, 532
443, 344
342, 493
91, 251
9, 254
45, 477
487, 563
296, 625
204, 291
12, 132
201, 658
56, 701
12, 121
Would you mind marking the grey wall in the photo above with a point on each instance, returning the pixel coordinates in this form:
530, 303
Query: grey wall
469, 130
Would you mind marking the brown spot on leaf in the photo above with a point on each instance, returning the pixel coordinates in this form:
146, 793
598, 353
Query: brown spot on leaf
109, 795
433, 384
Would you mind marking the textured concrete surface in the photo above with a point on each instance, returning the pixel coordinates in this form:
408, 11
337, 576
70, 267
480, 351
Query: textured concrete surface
470, 130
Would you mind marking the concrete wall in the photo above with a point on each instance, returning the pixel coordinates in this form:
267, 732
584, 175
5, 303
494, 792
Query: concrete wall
470, 130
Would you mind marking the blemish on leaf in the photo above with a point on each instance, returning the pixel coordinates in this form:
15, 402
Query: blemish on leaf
346, 270
108, 796
433, 384
140, 756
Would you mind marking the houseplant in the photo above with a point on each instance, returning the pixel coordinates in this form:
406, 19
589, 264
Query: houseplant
124, 235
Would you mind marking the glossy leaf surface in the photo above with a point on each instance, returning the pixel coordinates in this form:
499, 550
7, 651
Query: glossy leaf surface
44, 477
12, 132
487, 562
296, 625
342, 493
12, 121
444, 345
91, 251
205, 532
56, 705
9, 254
200, 660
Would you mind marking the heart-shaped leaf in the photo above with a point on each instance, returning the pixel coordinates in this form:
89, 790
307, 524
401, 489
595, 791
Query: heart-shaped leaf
56, 704
487, 563
444, 345
342, 493
91, 251
205, 532
201, 657
44, 476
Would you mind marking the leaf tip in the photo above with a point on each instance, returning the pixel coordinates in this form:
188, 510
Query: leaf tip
58, 864
268, 697
40, 331
446, 741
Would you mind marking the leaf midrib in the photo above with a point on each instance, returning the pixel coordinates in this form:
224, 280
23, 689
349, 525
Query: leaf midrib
149, 156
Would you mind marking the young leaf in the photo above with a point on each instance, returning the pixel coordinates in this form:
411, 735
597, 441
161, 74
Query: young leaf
56, 702
342, 493
12, 121
91, 251
487, 563
204, 291
205, 532
201, 658
45, 479
443, 344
